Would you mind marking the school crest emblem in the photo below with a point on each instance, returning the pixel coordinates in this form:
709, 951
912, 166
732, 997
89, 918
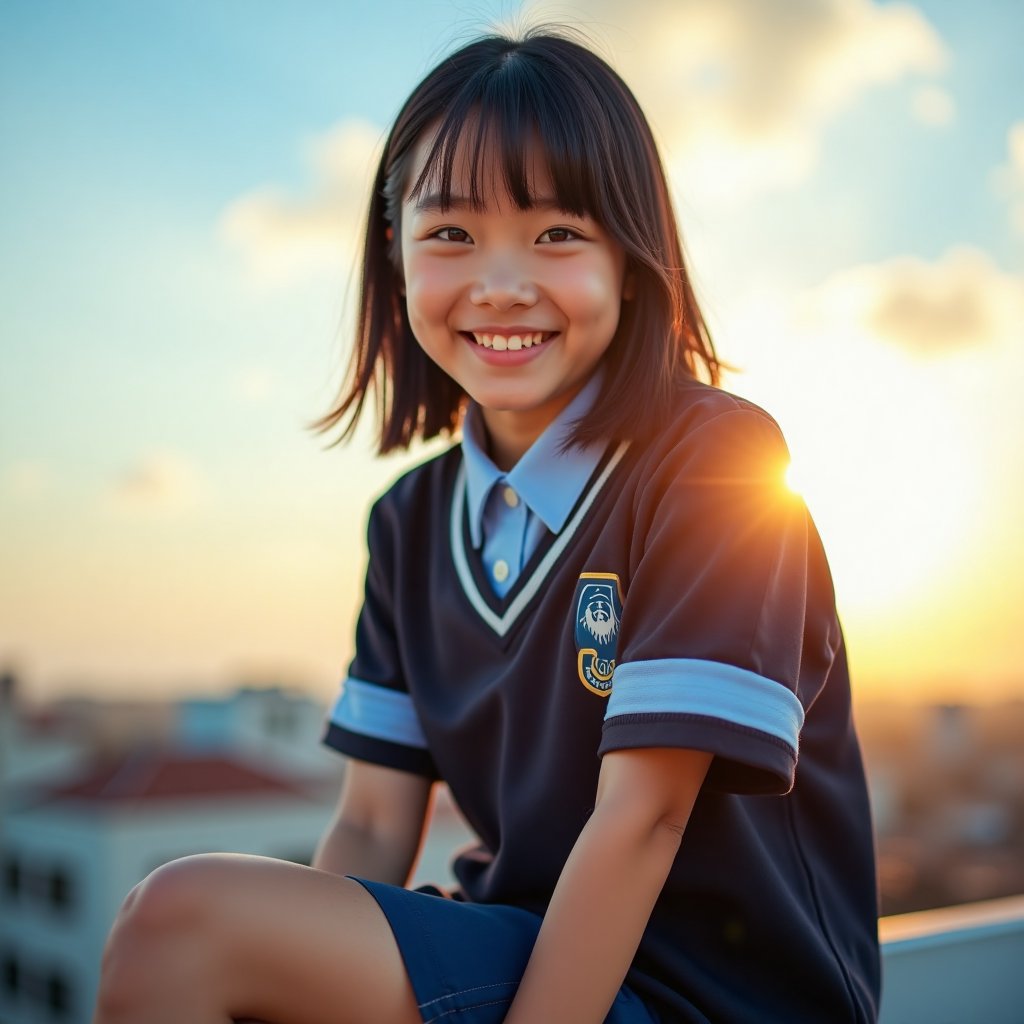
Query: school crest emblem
598, 614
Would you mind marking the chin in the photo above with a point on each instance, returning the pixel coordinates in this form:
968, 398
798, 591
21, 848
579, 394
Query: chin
504, 399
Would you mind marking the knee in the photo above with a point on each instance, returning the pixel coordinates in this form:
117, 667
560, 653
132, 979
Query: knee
172, 897
164, 910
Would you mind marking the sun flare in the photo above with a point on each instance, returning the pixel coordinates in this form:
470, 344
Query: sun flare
892, 494
882, 457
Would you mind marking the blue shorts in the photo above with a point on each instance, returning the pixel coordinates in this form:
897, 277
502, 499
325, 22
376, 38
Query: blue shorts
465, 959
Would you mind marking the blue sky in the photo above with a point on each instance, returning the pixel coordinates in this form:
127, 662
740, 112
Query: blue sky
180, 194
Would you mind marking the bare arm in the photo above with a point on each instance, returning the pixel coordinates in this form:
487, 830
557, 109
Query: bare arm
378, 825
609, 885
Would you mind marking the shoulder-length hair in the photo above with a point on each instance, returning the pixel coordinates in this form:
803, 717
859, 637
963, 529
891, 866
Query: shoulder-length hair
513, 95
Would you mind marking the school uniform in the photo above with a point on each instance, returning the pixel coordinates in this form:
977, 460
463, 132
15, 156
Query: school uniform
671, 593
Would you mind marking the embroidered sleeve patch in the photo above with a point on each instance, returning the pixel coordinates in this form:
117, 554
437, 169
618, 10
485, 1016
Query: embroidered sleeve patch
598, 602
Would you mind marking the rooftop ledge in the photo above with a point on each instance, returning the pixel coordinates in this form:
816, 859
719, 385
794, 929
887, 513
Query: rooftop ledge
957, 965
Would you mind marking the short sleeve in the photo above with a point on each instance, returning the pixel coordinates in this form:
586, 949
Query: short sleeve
374, 718
728, 628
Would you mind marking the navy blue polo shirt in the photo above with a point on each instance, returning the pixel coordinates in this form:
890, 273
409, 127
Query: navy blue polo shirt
685, 602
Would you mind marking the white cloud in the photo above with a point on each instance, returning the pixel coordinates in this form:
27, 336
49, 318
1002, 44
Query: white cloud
285, 235
961, 301
159, 482
934, 106
1008, 177
740, 90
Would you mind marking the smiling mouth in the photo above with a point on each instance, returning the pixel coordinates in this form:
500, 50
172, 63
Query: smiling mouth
509, 342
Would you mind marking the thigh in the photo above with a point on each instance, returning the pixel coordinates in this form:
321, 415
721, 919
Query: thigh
465, 960
290, 943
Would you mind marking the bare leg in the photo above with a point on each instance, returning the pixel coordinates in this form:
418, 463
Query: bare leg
223, 937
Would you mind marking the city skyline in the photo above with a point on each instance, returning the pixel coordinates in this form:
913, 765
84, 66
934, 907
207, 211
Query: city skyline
183, 190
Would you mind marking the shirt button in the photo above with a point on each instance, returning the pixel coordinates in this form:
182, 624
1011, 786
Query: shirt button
501, 570
510, 496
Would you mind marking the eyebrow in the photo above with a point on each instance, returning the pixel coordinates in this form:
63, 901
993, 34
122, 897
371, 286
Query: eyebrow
432, 202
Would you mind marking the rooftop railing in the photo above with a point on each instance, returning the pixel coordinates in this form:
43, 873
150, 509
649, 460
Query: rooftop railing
958, 965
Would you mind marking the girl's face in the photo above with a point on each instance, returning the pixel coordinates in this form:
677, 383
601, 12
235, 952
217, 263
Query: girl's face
518, 306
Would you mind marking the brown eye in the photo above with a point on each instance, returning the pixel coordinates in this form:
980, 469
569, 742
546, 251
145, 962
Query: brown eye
452, 235
558, 235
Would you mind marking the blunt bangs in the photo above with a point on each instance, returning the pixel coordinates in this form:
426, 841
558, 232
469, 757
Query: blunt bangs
540, 103
516, 120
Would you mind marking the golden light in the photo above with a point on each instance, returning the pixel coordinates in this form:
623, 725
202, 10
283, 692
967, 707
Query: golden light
881, 453
892, 492
793, 480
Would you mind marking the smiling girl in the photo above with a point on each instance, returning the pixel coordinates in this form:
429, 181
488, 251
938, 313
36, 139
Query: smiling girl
599, 617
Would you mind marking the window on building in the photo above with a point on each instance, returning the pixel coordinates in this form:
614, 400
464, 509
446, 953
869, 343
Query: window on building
11, 979
12, 880
58, 995
61, 890
34, 884
45, 990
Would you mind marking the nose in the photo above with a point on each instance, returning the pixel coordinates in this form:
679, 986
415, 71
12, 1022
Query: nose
503, 282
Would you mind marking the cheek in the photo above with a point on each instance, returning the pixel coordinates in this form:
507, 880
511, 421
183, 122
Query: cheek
428, 305
590, 292
428, 288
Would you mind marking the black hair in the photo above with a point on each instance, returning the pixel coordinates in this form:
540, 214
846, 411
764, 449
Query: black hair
515, 94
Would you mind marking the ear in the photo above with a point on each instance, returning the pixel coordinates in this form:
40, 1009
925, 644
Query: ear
628, 286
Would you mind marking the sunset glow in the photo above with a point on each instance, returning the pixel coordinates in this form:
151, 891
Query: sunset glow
177, 304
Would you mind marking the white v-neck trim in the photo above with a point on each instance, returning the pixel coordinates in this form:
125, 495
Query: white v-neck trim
501, 624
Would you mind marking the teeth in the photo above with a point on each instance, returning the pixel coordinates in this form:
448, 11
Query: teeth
509, 343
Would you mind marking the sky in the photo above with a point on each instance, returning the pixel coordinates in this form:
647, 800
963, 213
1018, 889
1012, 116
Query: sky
182, 187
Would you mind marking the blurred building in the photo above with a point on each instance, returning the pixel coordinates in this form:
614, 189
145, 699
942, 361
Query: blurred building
947, 787
88, 813
94, 795
268, 726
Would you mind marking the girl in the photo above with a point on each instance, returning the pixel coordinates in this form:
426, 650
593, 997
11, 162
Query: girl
601, 619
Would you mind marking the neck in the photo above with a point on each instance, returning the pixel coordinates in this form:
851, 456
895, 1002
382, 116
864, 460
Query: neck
510, 432
509, 436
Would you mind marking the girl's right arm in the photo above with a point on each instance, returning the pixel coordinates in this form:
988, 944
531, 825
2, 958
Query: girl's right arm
378, 825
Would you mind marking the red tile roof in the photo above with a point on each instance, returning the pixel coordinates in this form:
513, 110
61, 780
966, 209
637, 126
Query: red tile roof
167, 775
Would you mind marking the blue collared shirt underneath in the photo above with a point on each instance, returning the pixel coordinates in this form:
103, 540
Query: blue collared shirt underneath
509, 513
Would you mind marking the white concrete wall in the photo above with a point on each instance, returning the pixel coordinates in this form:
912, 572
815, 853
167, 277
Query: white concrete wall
107, 852
41, 935
958, 965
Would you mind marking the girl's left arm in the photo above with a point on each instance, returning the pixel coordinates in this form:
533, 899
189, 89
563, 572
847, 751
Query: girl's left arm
608, 887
